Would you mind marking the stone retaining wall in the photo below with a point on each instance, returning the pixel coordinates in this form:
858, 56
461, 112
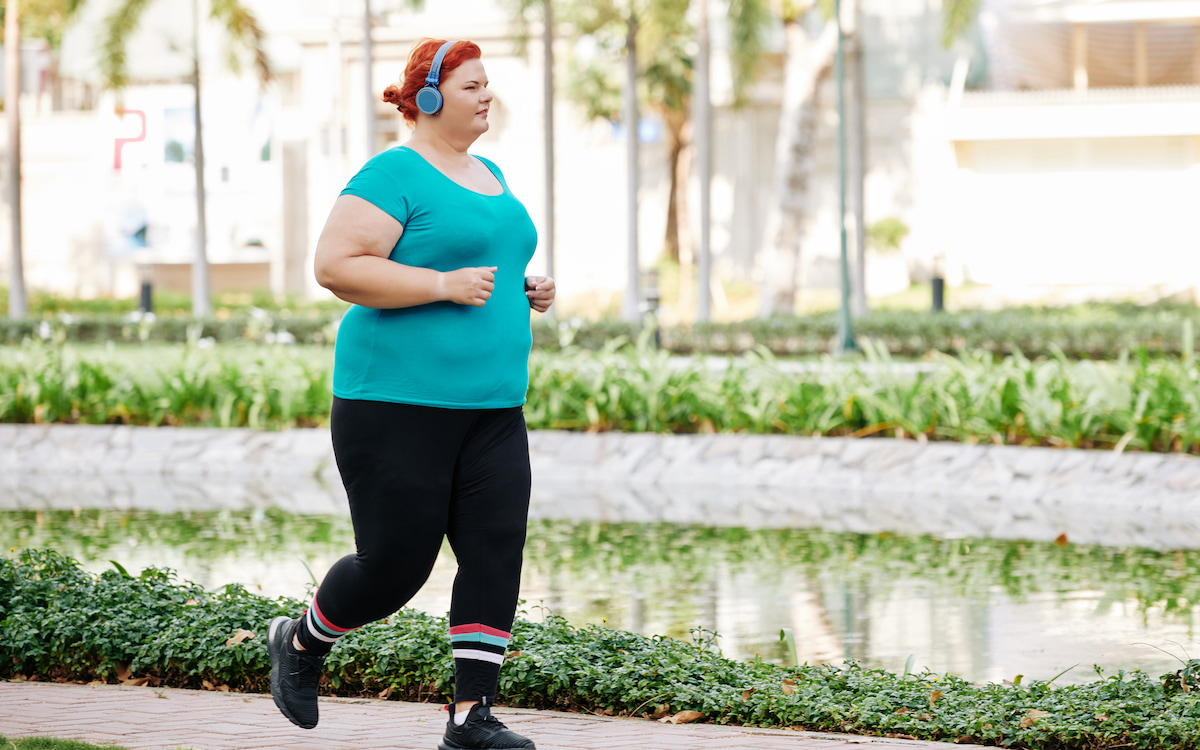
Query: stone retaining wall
866, 485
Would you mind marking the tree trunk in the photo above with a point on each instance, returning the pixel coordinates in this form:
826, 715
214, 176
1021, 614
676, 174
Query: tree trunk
56, 84
808, 62
18, 307
702, 129
857, 132
548, 130
201, 303
673, 238
631, 305
369, 135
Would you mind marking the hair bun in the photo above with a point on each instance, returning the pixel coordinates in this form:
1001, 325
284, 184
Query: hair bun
391, 95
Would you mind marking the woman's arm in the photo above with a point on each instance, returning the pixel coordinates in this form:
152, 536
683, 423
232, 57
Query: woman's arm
352, 262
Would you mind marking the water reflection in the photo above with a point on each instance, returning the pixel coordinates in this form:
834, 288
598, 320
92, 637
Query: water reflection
985, 610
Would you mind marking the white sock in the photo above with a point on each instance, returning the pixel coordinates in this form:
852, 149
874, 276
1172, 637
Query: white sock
460, 717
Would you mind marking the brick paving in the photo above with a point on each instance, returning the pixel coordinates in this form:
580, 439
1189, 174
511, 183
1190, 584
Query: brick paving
143, 718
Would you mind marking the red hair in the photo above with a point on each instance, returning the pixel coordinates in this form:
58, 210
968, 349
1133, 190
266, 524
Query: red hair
420, 60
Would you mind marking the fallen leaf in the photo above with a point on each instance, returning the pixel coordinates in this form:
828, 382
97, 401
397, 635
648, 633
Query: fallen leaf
660, 711
512, 654
123, 673
207, 685
1101, 717
902, 710
191, 601
966, 740
747, 693
897, 736
1031, 717
136, 681
1061, 540
240, 635
222, 688
385, 693
933, 697
789, 686
924, 717
683, 717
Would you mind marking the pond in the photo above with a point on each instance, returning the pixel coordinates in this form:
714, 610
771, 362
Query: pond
984, 610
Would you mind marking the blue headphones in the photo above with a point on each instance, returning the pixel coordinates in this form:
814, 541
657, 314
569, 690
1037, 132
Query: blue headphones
429, 99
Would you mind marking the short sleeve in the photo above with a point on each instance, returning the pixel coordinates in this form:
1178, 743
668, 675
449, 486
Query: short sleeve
381, 183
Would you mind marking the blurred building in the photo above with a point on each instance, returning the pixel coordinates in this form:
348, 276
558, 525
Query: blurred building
1079, 161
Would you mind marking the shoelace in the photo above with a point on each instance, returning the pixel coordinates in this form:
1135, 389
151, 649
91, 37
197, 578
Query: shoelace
310, 671
491, 723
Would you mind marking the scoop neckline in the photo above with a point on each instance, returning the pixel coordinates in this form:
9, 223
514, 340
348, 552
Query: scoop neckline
448, 178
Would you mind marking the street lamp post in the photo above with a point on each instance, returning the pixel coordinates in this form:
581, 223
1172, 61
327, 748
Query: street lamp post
845, 329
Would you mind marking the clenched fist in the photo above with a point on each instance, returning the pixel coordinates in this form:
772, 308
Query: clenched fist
467, 286
540, 291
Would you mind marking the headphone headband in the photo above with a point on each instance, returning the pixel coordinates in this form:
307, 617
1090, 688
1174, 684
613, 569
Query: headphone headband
435, 68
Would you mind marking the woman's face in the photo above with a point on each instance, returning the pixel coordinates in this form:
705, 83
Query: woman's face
465, 99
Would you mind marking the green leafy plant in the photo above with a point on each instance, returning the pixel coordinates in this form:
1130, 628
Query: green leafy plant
886, 235
1091, 331
59, 621
1135, 403
50, 743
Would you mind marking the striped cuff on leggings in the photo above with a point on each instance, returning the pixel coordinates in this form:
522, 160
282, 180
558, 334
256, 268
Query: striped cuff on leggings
320, 627
479, 641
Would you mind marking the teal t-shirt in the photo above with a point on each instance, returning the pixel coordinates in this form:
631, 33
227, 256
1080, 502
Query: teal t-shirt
441, 354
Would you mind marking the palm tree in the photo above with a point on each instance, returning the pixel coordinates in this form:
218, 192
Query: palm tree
808, 62
521, 11
17, 305
642, 56
244, 31
39, 19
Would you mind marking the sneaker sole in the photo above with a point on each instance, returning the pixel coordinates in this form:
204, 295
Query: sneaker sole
276, 624
444, 745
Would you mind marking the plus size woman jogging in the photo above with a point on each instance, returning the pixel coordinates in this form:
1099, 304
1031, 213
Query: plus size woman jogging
430, 373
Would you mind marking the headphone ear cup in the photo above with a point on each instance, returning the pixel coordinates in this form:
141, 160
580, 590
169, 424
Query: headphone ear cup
429, 100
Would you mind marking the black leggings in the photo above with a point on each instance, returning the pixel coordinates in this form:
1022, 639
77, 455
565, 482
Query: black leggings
414, 474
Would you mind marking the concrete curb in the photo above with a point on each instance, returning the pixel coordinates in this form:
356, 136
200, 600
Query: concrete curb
839, 484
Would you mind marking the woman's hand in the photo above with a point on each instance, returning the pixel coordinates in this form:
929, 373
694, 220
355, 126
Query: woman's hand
540, 291
467, 286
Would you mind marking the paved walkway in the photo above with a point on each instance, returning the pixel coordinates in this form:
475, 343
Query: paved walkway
143, 718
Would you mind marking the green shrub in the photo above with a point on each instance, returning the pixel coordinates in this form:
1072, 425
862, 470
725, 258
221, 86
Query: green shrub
1096, 331
58, 621
887, 234
1139, 403
264, 388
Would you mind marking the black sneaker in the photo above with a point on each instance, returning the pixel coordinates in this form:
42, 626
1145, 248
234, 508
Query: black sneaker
481, 731
294, 676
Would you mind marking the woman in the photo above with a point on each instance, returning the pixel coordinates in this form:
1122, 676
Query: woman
430, 374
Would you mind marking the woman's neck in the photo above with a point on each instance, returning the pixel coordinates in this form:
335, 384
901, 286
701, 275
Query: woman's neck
440, 150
